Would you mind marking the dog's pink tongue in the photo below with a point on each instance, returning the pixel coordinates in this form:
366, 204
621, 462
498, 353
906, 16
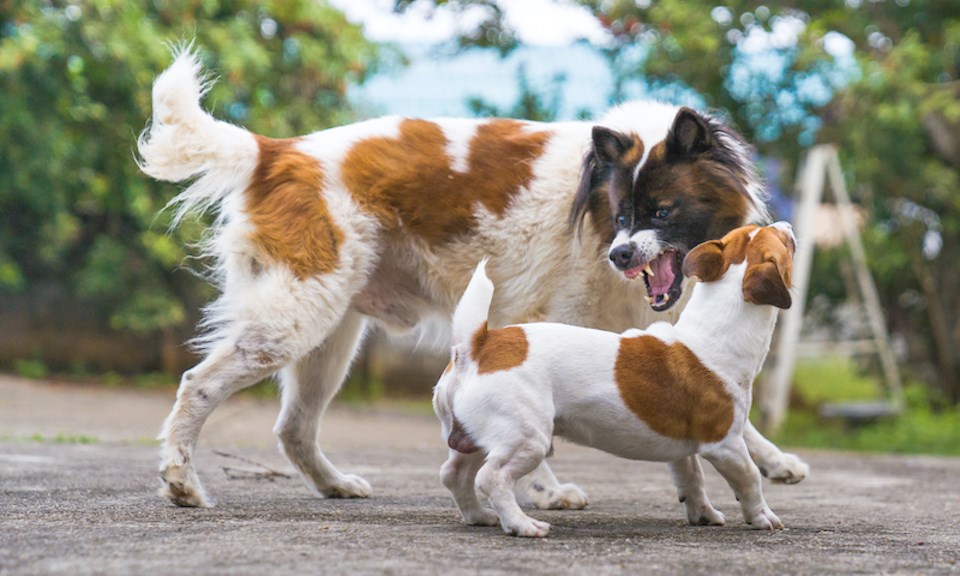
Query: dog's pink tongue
665, 269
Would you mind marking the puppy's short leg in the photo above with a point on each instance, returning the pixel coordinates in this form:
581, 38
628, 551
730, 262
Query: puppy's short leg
688, 477
497, 478
733, 462
541, 489
774, 464
225, 370
459, 475
307, 389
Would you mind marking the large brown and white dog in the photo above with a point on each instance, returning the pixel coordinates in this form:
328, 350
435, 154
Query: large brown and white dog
666, 393
383, 221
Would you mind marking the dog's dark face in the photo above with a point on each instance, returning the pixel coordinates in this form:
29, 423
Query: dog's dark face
653, 203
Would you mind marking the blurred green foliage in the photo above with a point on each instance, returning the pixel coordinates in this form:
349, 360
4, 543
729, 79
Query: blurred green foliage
76, 216
921, 429
880, 79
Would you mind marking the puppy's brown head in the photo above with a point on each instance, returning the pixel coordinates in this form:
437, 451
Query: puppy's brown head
768, 252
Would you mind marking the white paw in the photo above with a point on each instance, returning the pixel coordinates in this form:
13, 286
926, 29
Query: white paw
481, 517
765, 520
790, 469
526, 527
347, 486
703, 514
181, 485
561, 497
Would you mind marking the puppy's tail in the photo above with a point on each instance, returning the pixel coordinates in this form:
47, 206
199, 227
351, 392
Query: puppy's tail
472, 311
183, 141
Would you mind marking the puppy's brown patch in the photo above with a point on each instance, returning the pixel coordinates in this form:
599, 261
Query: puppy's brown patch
291, 222
409, 181
668, 388
500, 349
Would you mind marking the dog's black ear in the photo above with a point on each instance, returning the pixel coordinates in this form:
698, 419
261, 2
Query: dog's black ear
765, 284
585, 198
689, 135
610, 145
705, 261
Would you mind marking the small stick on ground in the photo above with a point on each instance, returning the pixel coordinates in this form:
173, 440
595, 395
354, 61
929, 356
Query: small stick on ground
267, 473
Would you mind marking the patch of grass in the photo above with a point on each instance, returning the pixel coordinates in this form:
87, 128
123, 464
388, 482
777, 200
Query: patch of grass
34, 369
60, 438
920, 429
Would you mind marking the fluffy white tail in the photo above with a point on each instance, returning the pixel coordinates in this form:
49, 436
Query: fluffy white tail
184, 141
474, 307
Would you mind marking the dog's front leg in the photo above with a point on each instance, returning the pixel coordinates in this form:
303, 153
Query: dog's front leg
732, 460
688, 478
542, 490
773, 463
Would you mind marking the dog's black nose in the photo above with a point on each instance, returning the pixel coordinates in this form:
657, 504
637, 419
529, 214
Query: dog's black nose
622, 255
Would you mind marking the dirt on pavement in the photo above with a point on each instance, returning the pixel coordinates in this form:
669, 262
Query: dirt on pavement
78, 486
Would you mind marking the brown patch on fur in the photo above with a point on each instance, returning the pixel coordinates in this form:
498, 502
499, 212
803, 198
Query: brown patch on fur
292, 225
658, 153
709, 261
668, 388
634, 154
500, 349
409, 181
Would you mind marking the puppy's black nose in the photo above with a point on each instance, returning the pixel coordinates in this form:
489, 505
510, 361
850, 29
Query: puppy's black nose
622, 255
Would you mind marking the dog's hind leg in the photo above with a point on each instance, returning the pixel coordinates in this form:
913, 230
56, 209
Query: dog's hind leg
307, 388
541, 489
688, 478
230, 366
497, 478
775, 464
459, 475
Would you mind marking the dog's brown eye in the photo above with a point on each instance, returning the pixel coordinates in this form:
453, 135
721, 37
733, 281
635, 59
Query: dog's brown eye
661, 213
622, 221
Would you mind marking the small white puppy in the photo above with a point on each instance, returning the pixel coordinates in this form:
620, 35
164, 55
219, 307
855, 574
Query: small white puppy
666, 393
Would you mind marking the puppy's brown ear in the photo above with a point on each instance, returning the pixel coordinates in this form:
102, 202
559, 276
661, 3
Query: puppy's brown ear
705, 261
764, 284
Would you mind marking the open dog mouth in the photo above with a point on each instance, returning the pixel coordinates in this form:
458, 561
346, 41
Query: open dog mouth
662, 277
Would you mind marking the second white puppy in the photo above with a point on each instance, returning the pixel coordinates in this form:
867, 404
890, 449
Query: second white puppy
666, 393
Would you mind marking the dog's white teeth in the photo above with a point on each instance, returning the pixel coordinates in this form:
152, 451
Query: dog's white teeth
666, 298
647, 270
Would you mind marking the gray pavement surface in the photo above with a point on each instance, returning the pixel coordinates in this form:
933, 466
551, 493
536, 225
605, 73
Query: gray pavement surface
92, 508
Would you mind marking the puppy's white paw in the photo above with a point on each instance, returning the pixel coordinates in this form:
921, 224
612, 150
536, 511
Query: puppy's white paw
526, 527
562, 497
789, 469
765, 520
347, 486
482, 517
703, 514
181, 485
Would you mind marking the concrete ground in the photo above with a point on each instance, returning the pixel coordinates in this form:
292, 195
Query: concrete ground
78, 488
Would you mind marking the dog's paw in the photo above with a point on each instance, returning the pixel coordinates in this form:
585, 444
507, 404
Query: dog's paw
181, 485
347, 486
562, 497
790, 469
482, 517
526, 527
765, 519
704, 515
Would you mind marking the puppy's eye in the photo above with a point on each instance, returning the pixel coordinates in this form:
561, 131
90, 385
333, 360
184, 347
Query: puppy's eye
661, 213
622, 221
